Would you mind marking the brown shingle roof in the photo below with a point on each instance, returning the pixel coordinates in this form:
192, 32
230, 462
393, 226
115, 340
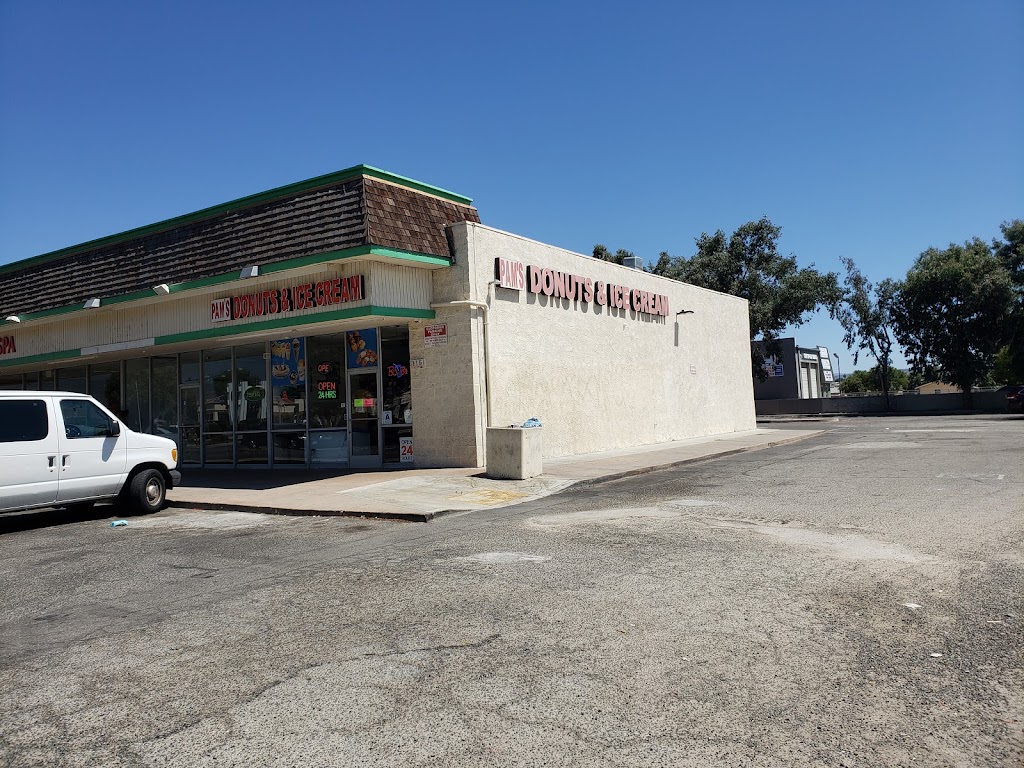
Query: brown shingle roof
354, 212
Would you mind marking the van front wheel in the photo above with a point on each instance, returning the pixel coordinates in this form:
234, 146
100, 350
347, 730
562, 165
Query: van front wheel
147, 492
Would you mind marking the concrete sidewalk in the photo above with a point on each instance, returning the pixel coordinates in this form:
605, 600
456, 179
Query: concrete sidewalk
420, 495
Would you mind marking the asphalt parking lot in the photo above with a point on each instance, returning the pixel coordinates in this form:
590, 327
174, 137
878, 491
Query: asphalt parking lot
854, 599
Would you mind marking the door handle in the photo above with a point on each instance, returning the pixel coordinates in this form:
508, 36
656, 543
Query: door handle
64, 460
52, 460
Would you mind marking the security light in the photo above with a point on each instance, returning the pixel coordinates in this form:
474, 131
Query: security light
161, 290
12, 319
253, 270
92, 303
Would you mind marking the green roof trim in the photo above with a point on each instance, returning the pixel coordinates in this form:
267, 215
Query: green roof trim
44, 358
292, 321
228, 277
243, 202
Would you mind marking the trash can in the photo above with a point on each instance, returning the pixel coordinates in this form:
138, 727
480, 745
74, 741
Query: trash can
514, 453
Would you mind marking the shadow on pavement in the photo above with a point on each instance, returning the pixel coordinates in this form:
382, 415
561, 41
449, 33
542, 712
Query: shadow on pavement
263, 479
16, 522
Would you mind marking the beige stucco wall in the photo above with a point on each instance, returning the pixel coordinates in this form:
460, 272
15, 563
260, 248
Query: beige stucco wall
597, 378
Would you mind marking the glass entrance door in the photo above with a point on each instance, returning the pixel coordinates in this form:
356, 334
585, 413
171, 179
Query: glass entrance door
364, 427
188, 424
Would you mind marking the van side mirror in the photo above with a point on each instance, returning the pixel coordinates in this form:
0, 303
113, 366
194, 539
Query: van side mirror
115, 428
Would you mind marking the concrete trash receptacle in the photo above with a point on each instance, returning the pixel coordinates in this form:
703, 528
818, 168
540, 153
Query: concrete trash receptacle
514, 453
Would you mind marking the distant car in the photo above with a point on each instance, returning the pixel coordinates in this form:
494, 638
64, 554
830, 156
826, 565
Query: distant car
1015, 398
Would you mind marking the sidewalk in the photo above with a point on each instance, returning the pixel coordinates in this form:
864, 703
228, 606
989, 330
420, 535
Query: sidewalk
420, 495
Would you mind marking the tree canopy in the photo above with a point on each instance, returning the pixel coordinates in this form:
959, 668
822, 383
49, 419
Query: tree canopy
871, 381
748, 264
866, 314
951, 312
1010, 252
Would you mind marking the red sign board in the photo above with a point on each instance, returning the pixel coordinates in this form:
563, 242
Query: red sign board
7, 345
435, 335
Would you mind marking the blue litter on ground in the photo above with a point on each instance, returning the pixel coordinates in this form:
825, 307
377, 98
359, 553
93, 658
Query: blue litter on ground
533, 421
118, 523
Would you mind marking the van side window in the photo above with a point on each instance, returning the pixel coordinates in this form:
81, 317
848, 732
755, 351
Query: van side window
84, 419
23, 421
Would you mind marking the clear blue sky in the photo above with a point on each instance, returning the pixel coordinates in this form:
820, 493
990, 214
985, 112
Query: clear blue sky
871, 130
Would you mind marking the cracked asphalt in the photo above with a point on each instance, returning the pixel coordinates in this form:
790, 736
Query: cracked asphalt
854, 599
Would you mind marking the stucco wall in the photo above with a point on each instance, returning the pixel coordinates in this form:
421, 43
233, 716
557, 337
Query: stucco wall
598, 378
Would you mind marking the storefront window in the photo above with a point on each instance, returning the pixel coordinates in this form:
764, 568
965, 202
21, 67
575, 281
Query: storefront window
165, 397
218, 449
289, 447
251, 448
136, 394
328, 447
32, 380
11, 382
190, 367
48, 379
397, 445
327, 381
72, 380
397, 406
105, 385
288, 375
216, 390
251, 390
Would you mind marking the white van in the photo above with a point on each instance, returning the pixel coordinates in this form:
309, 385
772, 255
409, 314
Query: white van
63, 449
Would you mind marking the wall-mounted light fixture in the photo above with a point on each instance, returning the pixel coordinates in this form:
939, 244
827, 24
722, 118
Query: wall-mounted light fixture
161, 290
92, 303
12, 319
681, 312
253, 270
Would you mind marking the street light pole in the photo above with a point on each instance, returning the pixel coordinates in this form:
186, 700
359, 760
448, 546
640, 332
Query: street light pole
839, 371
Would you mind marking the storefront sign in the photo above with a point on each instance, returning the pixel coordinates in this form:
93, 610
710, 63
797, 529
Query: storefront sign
435, 335
7, 345
405, 448
274, 301
327, 390
511, 274
255, 394
564, 285
397, 371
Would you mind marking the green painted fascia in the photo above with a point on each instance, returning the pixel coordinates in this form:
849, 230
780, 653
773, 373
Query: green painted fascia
242, 202
291, 322
44, 358
281, 266
419, 186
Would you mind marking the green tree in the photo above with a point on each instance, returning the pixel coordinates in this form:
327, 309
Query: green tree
866, 314
951, 310
871, 381
619, 257
1010, 252
748, 264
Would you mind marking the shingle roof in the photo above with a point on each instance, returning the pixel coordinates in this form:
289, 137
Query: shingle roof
303, 221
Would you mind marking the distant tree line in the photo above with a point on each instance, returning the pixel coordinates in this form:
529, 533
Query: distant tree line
958, 314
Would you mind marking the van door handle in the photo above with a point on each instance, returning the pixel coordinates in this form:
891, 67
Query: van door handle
64, 460
52, 460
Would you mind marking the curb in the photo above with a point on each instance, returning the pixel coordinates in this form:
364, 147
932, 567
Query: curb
426, 517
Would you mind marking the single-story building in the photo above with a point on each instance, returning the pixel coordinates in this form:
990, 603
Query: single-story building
795, 372
362, 319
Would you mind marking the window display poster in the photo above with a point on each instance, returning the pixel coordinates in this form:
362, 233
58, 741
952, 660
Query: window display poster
288, 362
361, 348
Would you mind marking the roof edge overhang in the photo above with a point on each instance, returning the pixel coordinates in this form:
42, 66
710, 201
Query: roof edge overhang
359, 253
242, 203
